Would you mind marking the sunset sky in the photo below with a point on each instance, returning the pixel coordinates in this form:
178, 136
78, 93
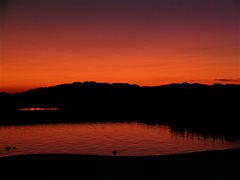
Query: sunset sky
145, 42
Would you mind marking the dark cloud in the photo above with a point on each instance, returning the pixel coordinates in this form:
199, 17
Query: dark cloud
228, 80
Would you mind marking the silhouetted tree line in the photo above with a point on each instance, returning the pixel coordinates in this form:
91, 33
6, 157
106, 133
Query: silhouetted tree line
183, 105
173, 100
7, 103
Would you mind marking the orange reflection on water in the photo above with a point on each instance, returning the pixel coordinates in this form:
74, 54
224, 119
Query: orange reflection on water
38, 109
129, 139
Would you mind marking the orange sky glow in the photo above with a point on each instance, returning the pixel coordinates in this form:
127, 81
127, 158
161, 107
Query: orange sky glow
45, 43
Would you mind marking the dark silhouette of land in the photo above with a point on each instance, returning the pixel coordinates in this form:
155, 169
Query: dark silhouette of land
212, 164
205, 109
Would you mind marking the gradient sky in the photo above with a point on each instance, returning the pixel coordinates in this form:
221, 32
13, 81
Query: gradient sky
147, 42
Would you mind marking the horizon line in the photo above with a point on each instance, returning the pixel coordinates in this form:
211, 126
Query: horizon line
110, 83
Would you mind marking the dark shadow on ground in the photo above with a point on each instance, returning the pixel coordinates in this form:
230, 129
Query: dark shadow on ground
213, 164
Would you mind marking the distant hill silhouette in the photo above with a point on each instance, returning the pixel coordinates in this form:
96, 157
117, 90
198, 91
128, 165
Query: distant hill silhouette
191, 106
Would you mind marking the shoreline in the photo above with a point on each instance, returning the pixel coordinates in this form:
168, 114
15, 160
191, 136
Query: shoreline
213, 163
221, 152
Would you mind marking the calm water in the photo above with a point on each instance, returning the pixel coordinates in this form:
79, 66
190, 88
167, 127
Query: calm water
102, 138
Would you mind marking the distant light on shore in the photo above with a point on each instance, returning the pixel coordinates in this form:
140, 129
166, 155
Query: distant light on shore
38, 109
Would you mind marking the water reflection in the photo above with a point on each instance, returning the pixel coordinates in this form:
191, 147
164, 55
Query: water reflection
224, 133
38, 109
128, 139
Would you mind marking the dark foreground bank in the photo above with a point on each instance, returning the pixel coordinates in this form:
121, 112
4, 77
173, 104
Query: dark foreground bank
214, 164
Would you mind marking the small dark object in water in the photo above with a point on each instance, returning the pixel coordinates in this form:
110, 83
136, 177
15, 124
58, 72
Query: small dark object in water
114, 152
8, 148
14, 147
